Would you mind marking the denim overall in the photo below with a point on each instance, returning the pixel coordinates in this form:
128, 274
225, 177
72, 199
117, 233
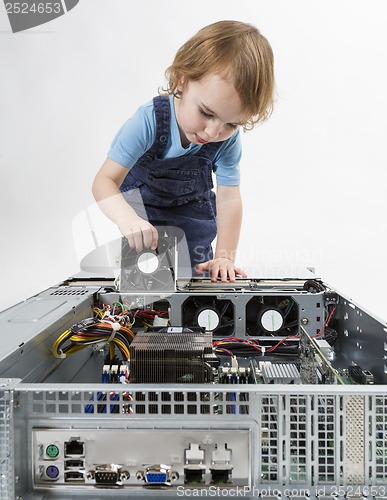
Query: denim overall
177, 191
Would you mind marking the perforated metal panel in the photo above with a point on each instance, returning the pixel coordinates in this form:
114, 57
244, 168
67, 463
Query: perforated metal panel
6, 442
328, 439
376, 438
269, 439
354, 439
70, 292
307, 438
297, 448
122, 403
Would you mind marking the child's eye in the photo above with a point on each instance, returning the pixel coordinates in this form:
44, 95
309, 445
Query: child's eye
204, 113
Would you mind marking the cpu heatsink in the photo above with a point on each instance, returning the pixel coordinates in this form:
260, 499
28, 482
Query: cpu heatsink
172, 355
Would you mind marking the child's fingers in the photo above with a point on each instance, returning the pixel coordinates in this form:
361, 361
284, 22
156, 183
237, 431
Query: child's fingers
240, 272
221, 268
231, 274
200, 268
215, 268
135, 241
226, 271
138, 241
155, 238
140, 234
130, 238
150, 236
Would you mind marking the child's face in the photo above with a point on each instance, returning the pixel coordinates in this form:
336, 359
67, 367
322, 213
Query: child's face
209, 110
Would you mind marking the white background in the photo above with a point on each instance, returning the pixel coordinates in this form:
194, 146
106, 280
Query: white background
313, 177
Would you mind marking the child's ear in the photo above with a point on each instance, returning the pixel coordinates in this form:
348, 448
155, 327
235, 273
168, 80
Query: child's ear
180, 83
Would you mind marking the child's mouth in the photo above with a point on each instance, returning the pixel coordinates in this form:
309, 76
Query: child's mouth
200, 140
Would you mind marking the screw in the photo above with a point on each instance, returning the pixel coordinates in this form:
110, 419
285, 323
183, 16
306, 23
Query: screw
304, 321
140, 476
174, 476
124, 475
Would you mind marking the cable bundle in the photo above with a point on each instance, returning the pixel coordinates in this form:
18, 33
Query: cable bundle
96, 333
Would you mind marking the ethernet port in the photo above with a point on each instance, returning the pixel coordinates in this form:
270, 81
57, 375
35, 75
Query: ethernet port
194, 474
74, 448
221, 469
221, 474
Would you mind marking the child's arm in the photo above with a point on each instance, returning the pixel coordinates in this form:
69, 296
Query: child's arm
229, 219
106, 191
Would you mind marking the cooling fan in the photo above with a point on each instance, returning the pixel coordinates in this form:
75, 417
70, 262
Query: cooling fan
210, 313
149, 270
271, 315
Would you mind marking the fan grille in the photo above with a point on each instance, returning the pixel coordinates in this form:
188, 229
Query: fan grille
272, 316
216, 315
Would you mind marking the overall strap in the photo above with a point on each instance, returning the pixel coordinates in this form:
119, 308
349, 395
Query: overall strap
209, 150
163, 115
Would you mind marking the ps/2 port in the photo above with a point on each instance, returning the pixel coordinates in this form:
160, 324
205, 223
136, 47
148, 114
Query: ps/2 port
52, 451
52, 472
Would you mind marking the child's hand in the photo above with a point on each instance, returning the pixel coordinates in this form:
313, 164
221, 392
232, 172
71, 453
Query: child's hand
139, 233
223, 267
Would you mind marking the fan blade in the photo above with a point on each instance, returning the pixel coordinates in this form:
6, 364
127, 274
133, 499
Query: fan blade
223, 310
163, 277
291, 324
288, 309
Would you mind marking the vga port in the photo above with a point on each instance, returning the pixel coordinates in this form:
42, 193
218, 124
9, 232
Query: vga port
159, 474
107, 474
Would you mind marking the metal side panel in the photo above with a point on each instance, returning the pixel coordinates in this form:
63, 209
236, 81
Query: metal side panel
362, 338
29, 329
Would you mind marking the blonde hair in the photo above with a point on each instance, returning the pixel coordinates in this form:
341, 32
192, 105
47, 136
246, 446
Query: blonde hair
236, 51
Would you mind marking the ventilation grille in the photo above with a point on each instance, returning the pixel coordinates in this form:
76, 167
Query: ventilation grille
327, 432
298, 447
143, 403
269, 440
377, 431
354, 433
6, 455
70, 291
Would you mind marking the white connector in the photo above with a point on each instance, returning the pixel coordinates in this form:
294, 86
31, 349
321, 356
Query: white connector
160, 321
194, 454
221, 455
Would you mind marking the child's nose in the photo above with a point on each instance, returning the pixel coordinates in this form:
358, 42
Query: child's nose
213, 130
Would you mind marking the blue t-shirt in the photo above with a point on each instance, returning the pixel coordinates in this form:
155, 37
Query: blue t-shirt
137, 135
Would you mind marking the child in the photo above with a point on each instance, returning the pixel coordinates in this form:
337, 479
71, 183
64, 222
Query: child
220, 80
